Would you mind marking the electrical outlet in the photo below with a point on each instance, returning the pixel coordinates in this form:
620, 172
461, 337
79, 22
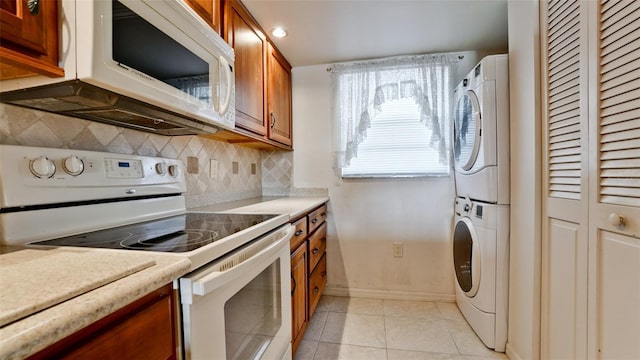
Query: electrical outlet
254, 169
192, 165
397, 249
213, 168
234, 167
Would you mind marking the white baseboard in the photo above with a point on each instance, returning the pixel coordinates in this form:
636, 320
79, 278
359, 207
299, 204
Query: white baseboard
511, 354
388, 295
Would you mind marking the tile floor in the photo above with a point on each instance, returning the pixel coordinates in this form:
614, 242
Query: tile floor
345, 328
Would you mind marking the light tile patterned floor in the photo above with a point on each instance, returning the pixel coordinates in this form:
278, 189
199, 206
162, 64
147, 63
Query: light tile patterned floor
345, 328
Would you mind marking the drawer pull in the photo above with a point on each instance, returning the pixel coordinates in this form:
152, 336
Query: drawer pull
324, 240
316, 290
314, 221
298, 233
315, 251
295, 285
33, 6
324, 273
323, 214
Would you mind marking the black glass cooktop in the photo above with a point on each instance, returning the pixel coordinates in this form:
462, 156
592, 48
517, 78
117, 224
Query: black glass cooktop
179, 233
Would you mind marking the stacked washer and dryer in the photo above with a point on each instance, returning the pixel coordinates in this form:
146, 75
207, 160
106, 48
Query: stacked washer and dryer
481, 230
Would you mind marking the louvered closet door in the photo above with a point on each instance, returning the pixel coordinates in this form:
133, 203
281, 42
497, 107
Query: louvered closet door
614, 223
565, 183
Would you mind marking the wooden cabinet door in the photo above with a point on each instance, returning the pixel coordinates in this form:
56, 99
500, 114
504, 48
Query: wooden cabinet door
279, 97
22, 27
144, 329
209, 10
29, 38
298, 294
250, 46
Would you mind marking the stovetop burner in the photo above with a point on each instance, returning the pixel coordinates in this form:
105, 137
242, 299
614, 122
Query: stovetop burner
177, 234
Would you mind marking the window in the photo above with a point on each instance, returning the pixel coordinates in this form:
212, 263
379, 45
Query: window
389, 116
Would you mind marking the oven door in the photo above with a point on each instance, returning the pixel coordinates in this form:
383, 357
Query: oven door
239, 307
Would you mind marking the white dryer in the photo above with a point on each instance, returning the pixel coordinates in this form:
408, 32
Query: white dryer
481, 132
481, 262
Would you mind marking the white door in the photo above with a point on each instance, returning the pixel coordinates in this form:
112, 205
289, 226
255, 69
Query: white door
591, 209
614, 214
565, 186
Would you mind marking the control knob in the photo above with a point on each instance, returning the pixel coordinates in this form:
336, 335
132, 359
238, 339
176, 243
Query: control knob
160, 168
73, 165
42, 167
173, 170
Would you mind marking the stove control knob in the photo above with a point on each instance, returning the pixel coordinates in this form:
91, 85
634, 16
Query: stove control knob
160, 168
73, 165
42, 167
174, 170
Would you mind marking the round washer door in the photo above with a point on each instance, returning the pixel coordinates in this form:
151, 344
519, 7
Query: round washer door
467, 130
466, 256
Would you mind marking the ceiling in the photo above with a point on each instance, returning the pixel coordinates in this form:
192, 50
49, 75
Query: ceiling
328, 31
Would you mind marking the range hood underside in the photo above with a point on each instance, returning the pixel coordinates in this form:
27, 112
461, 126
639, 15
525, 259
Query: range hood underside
78, 99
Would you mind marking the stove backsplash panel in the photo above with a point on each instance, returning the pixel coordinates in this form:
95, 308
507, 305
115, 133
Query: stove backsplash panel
20, 126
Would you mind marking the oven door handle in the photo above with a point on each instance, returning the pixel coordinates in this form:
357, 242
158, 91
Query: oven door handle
216, 279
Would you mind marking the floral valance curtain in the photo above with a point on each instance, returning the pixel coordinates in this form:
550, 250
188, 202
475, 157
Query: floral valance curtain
360, 89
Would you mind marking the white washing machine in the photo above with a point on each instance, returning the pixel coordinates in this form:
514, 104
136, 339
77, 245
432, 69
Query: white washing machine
481, 262
481, 132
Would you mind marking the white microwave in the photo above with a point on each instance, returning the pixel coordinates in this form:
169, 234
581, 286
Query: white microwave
144, 64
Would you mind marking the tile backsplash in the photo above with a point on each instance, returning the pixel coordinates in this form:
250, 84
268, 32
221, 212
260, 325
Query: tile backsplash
20, 126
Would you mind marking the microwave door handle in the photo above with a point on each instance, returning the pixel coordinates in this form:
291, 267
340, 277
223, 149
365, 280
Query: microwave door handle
217, 279
229, 75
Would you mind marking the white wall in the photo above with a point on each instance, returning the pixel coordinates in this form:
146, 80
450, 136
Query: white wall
366, 216
524, 284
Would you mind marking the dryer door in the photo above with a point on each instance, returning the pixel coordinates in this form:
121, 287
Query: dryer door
467, 130
466, 256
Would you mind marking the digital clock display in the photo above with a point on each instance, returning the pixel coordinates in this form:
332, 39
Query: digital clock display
123, 164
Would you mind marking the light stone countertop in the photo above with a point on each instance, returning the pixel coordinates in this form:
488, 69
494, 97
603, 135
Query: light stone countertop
33, 333
294, 206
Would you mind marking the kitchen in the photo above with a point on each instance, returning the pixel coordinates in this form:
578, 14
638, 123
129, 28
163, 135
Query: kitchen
364, 215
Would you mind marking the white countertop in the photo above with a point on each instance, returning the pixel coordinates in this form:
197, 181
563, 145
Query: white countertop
108, 291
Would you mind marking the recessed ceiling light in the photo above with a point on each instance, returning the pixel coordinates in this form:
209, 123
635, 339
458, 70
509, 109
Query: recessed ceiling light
278, 32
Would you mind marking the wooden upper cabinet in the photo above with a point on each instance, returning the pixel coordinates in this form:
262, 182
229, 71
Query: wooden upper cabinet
250, 45
263, 83
209, 10
29, 38
279, 97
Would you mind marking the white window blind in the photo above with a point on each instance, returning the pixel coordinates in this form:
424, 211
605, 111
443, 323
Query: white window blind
391, 116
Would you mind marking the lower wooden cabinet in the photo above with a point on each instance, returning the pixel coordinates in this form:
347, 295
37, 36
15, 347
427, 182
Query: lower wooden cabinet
298, 294
317, 281
308, 269
144, 329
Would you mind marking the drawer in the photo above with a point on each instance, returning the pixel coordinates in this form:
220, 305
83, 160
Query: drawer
317, 281
317, 217
317, 246
299, 235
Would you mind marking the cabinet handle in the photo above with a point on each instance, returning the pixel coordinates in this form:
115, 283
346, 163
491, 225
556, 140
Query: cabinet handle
299, 232
295, 285
316, 290
324, 273
315, 251
33, 6
273, 120
314, 221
